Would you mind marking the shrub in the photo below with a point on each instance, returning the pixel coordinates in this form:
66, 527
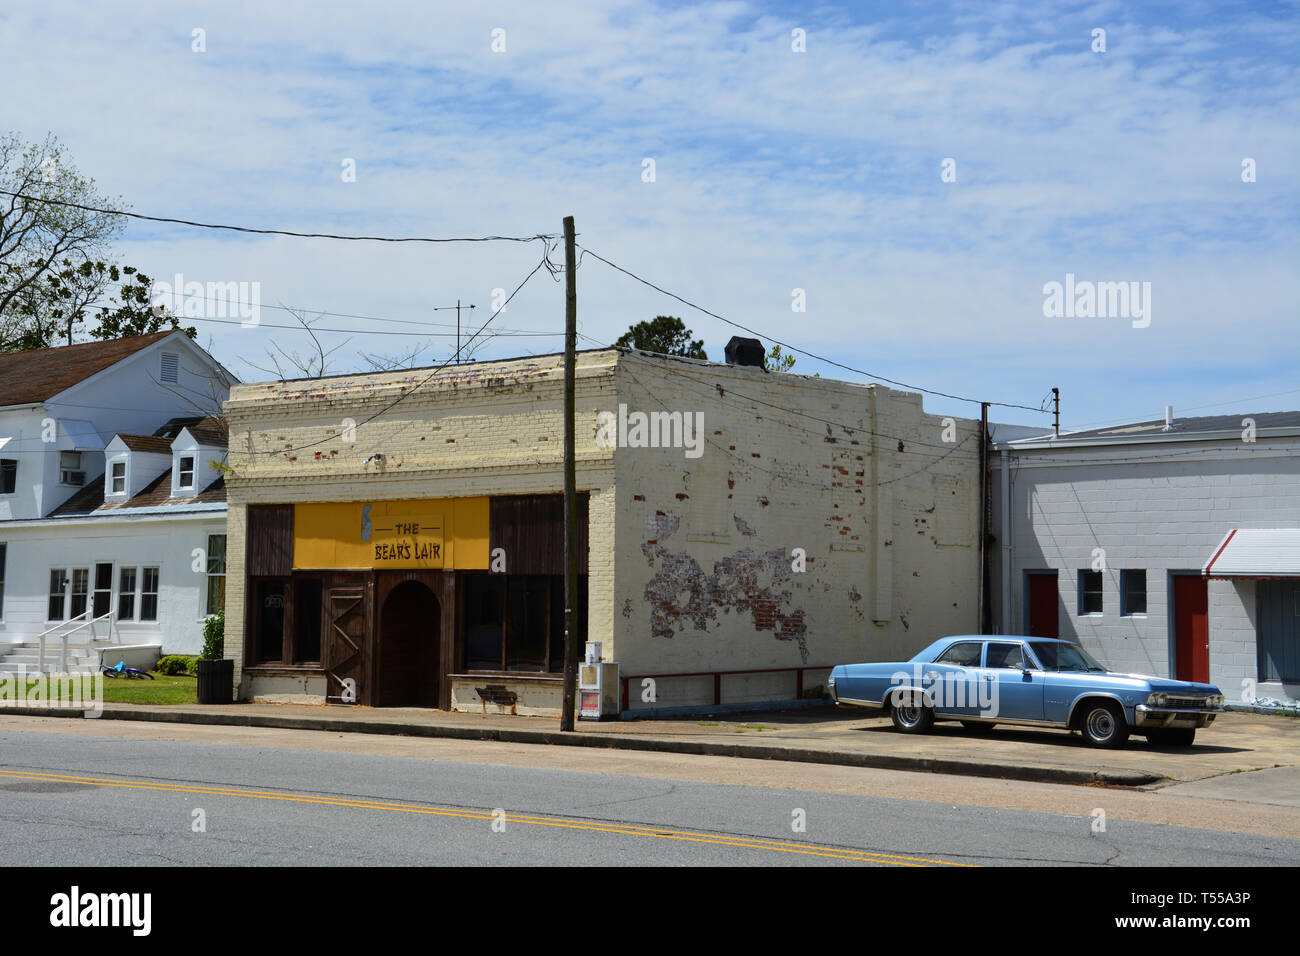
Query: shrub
174, 664
192, 666
214, 636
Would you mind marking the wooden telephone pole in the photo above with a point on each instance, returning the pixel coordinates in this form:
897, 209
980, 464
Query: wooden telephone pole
570, 479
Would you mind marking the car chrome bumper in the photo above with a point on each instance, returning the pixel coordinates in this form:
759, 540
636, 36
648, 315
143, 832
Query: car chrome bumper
1161, 717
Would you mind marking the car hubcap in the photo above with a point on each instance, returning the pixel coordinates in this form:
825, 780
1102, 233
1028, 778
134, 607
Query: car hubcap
1101, 724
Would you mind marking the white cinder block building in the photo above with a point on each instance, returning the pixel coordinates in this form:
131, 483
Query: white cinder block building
1168, 551
396, 538
112, 516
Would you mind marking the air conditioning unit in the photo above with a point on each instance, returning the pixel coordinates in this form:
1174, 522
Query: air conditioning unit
72, 477
597, 686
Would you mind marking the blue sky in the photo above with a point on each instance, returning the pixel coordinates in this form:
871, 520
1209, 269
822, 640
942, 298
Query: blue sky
775, 170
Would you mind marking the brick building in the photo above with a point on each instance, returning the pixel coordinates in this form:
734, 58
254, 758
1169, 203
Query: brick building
398, 536
1164, 547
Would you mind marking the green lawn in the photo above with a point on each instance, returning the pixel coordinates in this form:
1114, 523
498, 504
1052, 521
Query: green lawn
181, 689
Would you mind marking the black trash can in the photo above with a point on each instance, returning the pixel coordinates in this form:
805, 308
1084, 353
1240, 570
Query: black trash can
216, 681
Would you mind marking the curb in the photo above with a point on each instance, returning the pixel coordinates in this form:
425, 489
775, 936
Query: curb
841, 758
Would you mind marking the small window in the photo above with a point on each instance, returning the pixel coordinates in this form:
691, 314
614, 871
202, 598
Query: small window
58, 585
1089, 592
80, 592
186, 477
1132, 592
8, 475
965, 654
170, 365
3, 555
117, 478
70, 471
216, 573
126, 595
148, 594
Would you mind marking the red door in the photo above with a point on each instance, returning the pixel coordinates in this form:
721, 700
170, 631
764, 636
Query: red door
1044, 602
1191, 628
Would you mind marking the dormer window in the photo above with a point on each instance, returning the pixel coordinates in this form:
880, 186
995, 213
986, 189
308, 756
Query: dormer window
185, 474
117, 478
70, 470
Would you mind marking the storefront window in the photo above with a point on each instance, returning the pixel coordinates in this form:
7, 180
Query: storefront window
516, 622
529, 622
484, 617
307, 609
270, 620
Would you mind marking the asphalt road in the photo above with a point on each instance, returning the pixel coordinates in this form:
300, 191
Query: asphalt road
76, 799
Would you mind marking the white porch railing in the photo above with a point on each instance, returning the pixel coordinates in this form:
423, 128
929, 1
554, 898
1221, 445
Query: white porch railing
86, 622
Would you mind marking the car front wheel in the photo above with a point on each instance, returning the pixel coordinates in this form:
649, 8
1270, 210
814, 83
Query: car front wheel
1103, 724
911, 714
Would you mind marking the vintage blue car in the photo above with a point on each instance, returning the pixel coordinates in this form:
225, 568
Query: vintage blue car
983, 680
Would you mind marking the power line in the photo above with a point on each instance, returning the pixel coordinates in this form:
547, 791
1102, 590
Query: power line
273, 232
794, 348
723, 391
432, 374
792, 480
505, 333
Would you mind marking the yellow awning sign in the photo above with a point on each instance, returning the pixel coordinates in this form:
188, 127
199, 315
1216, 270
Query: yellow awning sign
402, 535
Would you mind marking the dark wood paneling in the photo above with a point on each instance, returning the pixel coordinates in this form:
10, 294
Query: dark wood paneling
269, 551
530, 529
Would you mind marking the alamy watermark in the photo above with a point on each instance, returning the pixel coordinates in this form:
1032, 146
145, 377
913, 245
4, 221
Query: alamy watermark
651, 430
198, 300
77, 691
951, 690
1098, 300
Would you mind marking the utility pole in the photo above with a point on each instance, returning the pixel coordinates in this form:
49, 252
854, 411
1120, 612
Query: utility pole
570, 480
985, 610
1056, 414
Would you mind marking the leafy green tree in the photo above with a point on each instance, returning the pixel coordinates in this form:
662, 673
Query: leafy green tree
665, 334
56, 268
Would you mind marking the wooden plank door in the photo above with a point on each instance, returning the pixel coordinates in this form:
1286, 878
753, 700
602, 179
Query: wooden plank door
344, 653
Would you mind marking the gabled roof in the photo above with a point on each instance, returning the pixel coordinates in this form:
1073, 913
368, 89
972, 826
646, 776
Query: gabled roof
37, 375
149, 443
211, 432
156, 494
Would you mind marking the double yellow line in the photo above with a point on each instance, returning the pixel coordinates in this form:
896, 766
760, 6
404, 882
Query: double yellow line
753, 843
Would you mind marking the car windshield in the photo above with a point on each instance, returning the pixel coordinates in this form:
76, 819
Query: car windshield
1065, 657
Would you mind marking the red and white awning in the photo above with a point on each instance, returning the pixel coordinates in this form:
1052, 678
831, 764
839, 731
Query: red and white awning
1256, 553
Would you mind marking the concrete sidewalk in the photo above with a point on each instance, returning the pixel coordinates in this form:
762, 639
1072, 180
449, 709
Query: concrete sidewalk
1236, 743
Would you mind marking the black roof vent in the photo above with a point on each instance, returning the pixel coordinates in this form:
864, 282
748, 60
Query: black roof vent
175, 425
745, 352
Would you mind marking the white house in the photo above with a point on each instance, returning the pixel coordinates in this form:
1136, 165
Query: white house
1165, 547
112, 504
